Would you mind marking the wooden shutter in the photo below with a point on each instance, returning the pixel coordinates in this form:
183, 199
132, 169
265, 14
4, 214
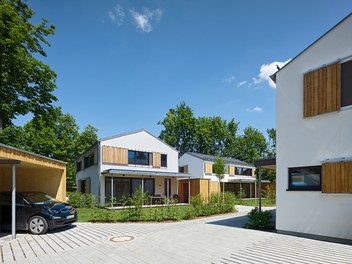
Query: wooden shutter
337, 177
115, 155
185, 169
79, 186
322, 91
208, 168
156, 159
231, 170
88, 185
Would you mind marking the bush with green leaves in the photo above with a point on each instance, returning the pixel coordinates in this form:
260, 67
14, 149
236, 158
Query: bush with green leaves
259, 220
83, 200
216, 204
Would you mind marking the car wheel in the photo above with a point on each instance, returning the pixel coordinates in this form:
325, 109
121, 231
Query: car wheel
37, 225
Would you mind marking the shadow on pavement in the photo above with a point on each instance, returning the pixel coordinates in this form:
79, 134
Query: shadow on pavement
237, 221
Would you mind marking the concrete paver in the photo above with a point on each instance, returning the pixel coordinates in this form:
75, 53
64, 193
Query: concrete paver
218, 239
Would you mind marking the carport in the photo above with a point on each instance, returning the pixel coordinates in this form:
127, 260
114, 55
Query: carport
25, 171
266, 163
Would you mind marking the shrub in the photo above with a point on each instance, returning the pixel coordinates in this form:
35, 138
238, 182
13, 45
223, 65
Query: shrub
259, 220
83, 200
103, 216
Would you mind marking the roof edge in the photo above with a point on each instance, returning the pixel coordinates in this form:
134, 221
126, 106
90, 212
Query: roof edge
273, 76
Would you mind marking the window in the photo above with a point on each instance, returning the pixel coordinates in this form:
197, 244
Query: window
78, 166
243, 171
346, 83
163, 160
124, 187
139, 157
305, 178
181, 169
89, 160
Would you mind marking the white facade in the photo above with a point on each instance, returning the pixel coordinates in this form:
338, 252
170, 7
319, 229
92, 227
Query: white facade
141, 141
196, 169
309, 141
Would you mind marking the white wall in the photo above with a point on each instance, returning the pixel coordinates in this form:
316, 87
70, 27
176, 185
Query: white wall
142, 141
309, 141
196, 168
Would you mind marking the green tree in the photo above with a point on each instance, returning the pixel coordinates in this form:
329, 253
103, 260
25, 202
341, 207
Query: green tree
55, 135
26, 84
179, 128
251, 145
219, 169
271, 148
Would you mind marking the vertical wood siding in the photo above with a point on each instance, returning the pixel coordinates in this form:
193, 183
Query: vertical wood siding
337, 177
322, 91
208, 168
156, 159
115, 155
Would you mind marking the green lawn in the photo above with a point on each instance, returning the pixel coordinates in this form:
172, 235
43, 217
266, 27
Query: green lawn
255, 202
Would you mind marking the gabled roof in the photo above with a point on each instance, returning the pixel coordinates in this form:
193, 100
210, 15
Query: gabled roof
212, 158
273, 76
134, 132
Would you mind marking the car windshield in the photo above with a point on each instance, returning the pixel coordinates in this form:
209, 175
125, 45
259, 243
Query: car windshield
39, 198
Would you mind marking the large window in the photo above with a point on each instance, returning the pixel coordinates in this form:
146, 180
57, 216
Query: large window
305, 178
124, 187
139, 157
243, 171
346, 83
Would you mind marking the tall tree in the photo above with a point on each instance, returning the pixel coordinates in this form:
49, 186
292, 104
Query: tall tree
179, 128
55, 135
271, 151
251, 145
26, 84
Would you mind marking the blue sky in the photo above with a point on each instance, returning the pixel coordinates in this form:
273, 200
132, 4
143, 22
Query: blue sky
122, 65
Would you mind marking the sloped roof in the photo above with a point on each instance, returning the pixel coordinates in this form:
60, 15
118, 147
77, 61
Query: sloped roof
134, 132
226, 160
273, 76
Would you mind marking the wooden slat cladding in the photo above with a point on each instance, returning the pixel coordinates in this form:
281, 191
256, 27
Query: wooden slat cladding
337, 177
185, 169
322, 91
156, 159
231, 170
208, 168
115, 155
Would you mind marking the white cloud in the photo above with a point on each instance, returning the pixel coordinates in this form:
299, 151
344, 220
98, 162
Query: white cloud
256, 109
266, 70
241, 83
144, 20
117, 15
229, 80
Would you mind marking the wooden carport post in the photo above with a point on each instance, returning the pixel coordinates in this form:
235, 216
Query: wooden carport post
13, 202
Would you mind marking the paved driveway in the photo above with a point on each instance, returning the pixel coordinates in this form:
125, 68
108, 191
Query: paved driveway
216, 239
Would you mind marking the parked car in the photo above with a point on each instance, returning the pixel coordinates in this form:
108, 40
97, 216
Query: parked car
36, 212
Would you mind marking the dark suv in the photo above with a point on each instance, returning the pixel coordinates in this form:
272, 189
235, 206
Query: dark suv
36, 212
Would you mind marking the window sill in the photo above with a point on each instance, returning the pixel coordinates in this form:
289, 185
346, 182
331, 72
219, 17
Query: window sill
307, 189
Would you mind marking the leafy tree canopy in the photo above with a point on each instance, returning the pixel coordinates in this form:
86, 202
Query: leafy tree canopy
55, 135
26, 84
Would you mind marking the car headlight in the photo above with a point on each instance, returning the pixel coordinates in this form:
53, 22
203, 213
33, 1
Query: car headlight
53, 211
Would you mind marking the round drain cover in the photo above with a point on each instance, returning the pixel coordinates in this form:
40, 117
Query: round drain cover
121, 238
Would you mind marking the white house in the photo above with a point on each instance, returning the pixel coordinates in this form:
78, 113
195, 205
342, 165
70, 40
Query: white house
238, 175
116, 166
314, 149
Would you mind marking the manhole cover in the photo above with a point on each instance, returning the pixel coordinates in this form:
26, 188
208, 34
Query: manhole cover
121, 238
